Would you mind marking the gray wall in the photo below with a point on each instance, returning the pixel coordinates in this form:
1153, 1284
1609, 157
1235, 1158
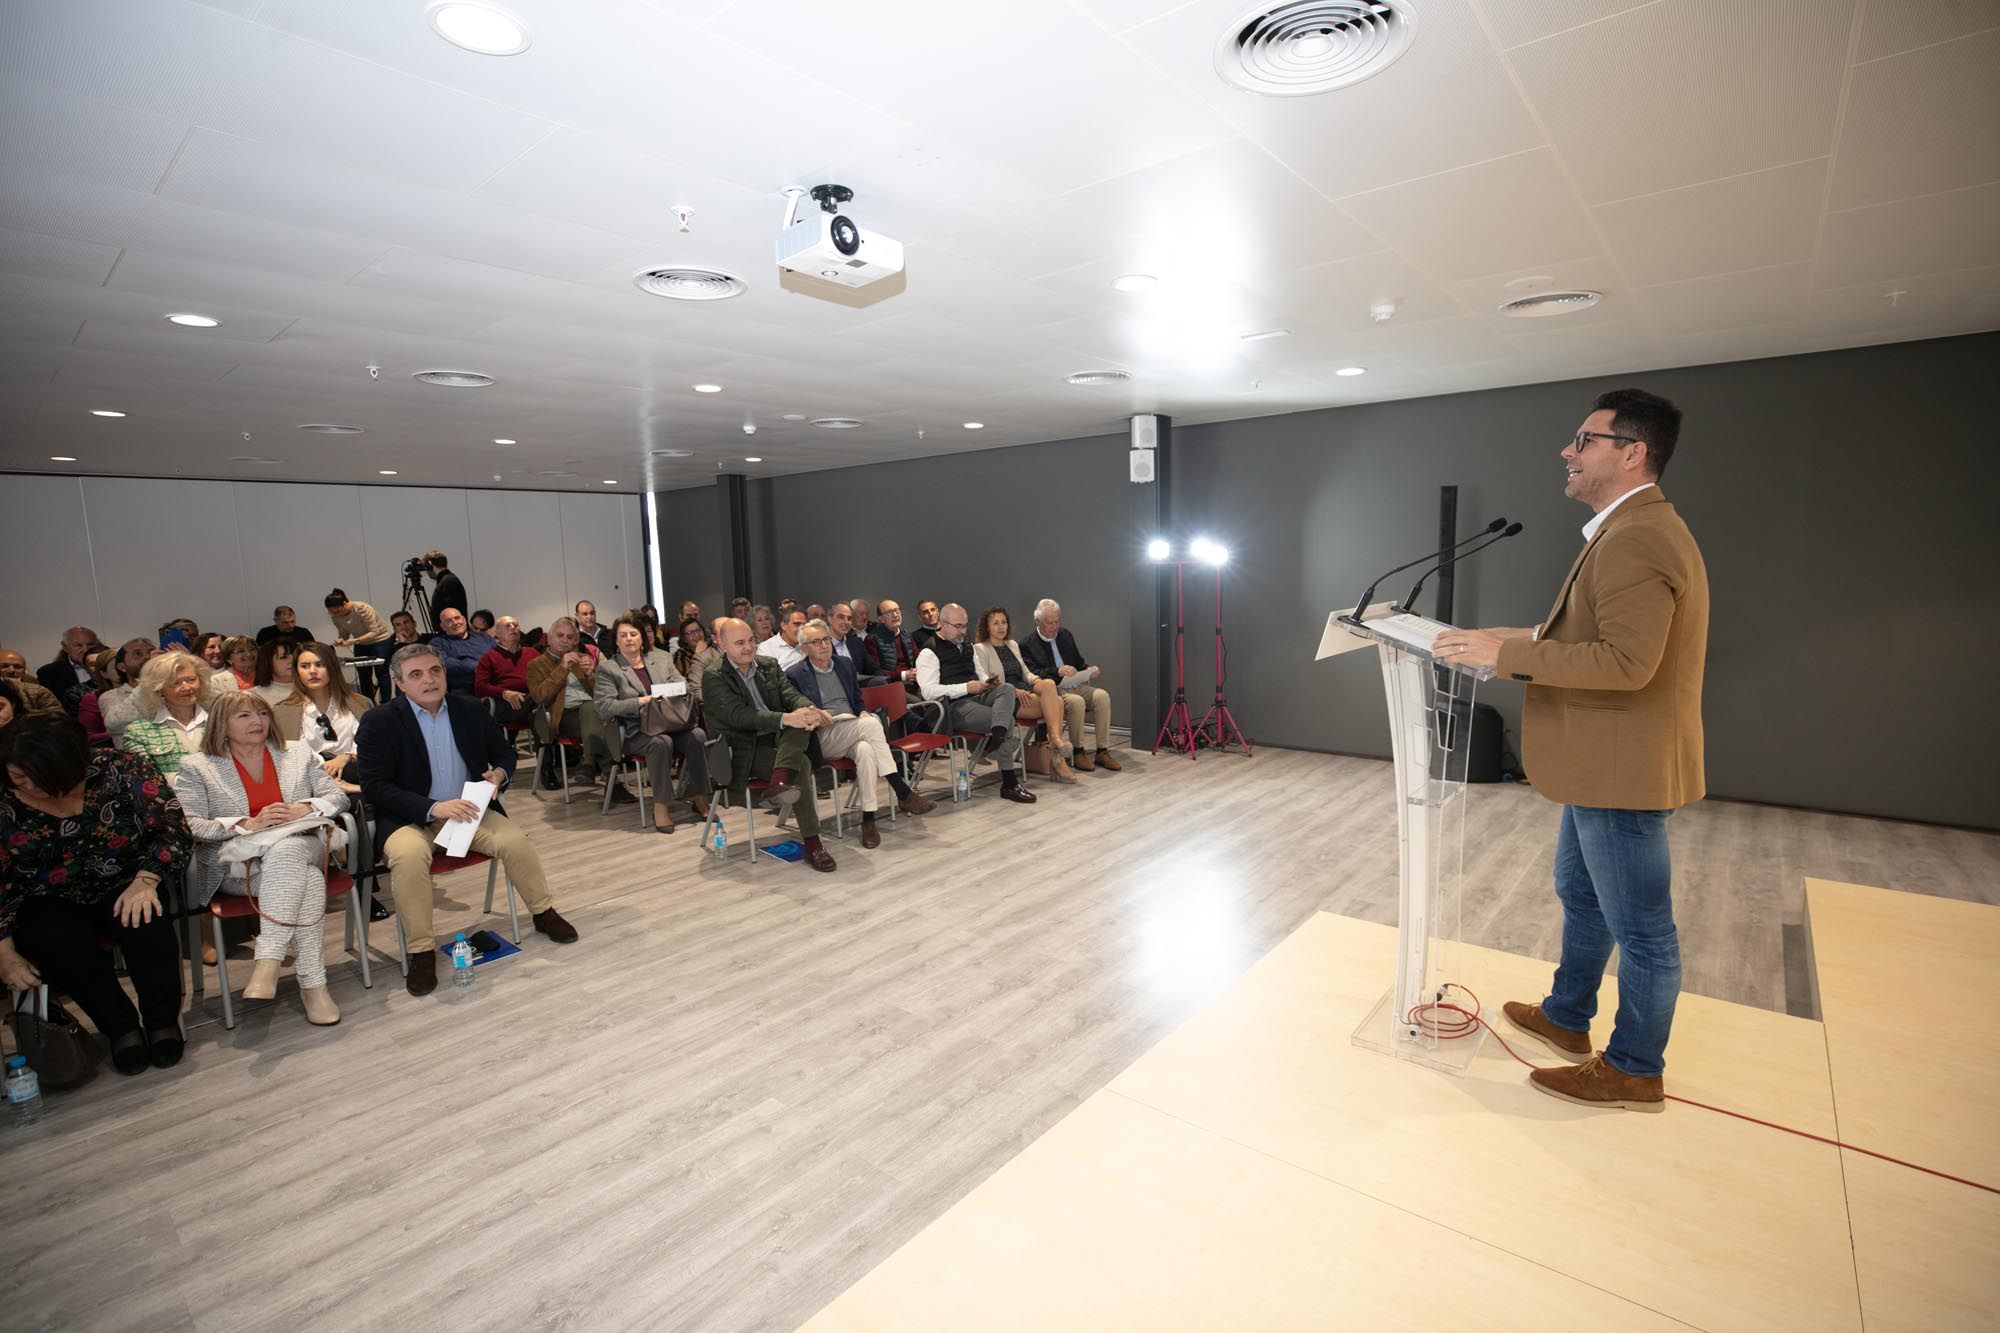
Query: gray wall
1843, 501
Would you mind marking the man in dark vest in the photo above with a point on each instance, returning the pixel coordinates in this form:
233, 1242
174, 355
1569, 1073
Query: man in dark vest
945, 672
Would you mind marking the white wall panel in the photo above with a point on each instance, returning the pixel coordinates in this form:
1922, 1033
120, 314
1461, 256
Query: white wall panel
299, 542
603, 552
517, 543
165, 549
398, 522
46, 552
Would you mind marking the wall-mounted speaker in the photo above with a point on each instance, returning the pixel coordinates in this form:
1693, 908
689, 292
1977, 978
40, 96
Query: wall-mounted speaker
1142, 465
1145, 432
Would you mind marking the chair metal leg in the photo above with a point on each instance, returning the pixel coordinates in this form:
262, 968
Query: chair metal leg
639, 779
222, 974
356, 920
562, 758
402, 950
839, 830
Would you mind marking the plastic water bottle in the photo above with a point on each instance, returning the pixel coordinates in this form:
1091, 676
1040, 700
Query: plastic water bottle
24, 1091
719, 843
461, 962
963, 783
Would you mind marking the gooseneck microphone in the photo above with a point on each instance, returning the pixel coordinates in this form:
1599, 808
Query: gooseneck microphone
1410, 602
1495, 526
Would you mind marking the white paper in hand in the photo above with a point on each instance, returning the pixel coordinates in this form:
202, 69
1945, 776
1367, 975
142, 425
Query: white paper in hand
1076, 680
669, 689
455, 838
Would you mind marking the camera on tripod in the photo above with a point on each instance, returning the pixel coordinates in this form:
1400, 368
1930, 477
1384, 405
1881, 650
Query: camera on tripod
416, 567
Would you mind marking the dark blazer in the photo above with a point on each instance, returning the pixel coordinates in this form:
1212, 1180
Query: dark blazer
882, 650
396, 767
752, 732
803, 676
857, 652
59, 679
1041, 661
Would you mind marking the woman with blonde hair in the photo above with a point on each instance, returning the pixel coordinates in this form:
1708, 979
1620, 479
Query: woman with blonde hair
172, 698
994, 653
246, 782
239, 664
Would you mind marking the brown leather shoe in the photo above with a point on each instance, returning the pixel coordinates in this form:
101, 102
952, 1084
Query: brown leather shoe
1082, 762
820, 859
700, 804
871, 836
1595, 1083
780, 795
1017, 792
916, 804
1105, 759
423, 978
1570, 1044
551, 924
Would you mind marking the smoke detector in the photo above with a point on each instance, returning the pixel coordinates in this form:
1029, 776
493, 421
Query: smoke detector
454, 379
1304, 47
1542, 305
681, 283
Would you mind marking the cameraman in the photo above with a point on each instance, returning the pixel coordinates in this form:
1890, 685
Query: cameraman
449, 592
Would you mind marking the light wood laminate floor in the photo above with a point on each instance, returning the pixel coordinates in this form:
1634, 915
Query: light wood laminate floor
742, 1090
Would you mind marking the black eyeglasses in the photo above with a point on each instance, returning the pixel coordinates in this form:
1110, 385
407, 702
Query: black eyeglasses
1584, 437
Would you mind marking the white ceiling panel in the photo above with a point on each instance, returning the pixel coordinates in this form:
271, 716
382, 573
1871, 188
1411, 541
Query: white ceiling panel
1486, 294
1931, 234
200, 284
1773, 218
1889, 26
1624, 343
1906, 304
55, 258
1342, 294
1526, 214
1746, 344
1516, 22
1727, 301
1655, 75
46, 132
1922, 122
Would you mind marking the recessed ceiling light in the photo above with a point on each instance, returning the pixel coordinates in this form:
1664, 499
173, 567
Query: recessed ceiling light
1544, 304
332, 428
1263, 334
673, 453
454, 379
682, 283
193, 321
1134, 282
554, 472
836, 423
385, 472
708, 388
1349, 372
753, 460
505, 441
61, 458
609, 481
975, 425
1089, 377
478, 29
795, 416
104, 412
256, 458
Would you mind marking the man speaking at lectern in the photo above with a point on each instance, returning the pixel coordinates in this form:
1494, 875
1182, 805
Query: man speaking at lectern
1611, 730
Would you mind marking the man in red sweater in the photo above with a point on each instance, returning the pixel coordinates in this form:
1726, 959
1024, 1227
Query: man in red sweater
502, 674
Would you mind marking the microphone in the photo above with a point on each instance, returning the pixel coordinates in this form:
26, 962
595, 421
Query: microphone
1366, 597
1408, 602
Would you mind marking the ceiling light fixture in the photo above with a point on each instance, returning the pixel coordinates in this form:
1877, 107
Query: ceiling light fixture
1300, 47
682, 283
1264, 334
453, 379
837, 423
673, 453
753, 460
708, 388
1134, 282
385, 472
104, 412
498, 440
480, 30
1349, 372
61, 458
795, 416
1085, 378
332, 428
193, 321
975, 425
1542, 305
609, 481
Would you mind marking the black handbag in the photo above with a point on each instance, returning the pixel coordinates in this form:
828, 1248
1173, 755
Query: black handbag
60, 1051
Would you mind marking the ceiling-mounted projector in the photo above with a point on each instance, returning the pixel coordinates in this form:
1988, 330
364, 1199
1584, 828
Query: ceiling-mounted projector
829, 245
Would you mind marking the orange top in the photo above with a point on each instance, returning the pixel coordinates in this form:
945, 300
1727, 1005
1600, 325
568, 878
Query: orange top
261, 792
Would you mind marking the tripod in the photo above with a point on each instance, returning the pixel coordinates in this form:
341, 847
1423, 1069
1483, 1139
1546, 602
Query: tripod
414, 595
1178, 730
1218, 713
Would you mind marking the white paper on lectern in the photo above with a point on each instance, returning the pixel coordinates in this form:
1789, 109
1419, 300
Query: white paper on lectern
1338, 638
456, 835
669, 689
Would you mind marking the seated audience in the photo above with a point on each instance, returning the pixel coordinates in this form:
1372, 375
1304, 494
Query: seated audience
208, 647
946, 672
277, 672
416, 755
863, 612
284, 625
103, 665
763, 623
119, 705
649, 730
459, 647
852, 732
739, 608
814, 611
402, 631
12, 707
239, 669
927, 623
247, 781
329, 712
690, 610
769, 726
360, 626
783, 646
849, 646
173, 696
996, 654
482, 622
67, 677
86, 836
695, 654
564, 681
892, 654
502, 674
589, 631
1051, 651
35, 696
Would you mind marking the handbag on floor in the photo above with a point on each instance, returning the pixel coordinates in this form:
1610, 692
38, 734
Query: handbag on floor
61, 1052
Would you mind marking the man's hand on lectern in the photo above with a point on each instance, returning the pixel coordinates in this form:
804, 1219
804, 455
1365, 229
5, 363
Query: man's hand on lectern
1469, 647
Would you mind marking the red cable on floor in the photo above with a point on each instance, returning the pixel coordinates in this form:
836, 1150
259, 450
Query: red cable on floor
1468, 1021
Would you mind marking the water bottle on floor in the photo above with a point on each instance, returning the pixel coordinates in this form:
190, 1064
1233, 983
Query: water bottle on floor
963, 783
461, 962
24, 1091
719, 843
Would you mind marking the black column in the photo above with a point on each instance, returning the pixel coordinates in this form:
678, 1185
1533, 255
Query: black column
1447, 535
1152, 595
733, 523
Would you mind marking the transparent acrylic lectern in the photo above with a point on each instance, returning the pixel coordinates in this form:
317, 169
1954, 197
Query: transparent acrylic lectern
1430, 726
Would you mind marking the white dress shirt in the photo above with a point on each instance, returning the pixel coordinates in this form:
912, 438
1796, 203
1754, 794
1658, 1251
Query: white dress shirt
787, 656
1597, 519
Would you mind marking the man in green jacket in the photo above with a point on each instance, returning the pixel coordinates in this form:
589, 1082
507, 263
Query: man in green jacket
769, 726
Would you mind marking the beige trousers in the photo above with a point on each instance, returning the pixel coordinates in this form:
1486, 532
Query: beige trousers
1100, 715
862, 740
409, 851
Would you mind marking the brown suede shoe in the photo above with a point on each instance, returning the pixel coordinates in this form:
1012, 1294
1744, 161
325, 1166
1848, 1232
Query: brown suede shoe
423, 978
1571, 1045
1105, 759
1082, 762
551, 924
1595, 1083
870, 835
916, 804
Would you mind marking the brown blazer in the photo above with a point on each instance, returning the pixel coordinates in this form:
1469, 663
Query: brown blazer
548, 680
1613, 710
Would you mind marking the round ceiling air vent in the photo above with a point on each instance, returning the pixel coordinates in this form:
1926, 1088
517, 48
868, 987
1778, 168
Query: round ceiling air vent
554, 472
1313, 46
690, 284
454, 379
836, 423
328, 428
672, 453
1544, 304
1100, 377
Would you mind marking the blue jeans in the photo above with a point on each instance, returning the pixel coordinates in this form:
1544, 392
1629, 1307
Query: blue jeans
1615, 881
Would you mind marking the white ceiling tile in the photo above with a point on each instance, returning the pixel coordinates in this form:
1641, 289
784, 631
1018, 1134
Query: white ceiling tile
50, 132
1785, 338
1446, 103
1485, 295
139, 308
1526, 215
1515, 22
1627, 343
1921, 122
621, 188
1903, 25
1726, 301
201, 284
1460, 340
1933, 234
1910, 303
55, 258
1119, 15
1710, 87
1341, 294
1773, 218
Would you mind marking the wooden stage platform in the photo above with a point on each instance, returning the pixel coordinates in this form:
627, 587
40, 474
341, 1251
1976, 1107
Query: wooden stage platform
1257, 1171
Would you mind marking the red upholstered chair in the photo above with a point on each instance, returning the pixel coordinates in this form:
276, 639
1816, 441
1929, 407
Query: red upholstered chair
914, 748
339, 883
